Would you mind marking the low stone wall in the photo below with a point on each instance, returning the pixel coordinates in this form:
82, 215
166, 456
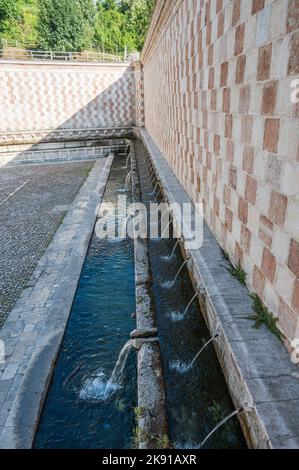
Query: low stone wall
45, 97
218, 78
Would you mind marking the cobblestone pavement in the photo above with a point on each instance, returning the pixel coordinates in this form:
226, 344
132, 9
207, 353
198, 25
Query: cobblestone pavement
33, 203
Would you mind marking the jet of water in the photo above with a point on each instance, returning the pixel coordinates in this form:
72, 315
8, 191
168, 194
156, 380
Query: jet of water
127, 162
154, 190
128, 179
166, 228
175, 247
203, 348
158, 194
116, 377
222, 422
178, 273
98, 388
124, 228
189, 304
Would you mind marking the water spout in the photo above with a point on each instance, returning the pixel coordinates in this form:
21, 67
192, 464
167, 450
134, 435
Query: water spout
127, 162
158, 194
128, 179
222, 422
179, 271
203, 348
175, 247
182, 367
116, 377
154, 190
166, 228
189, 304
153, 178
151, 172
124, 228
98, 388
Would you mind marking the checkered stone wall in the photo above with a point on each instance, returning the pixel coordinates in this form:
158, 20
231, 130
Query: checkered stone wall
218, 78
38, 97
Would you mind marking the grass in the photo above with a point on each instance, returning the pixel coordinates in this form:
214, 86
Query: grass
262, 316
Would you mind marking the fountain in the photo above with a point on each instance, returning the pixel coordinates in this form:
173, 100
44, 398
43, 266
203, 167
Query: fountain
179, 271
128, 179
189, 304
222, 422
127, 162
124, 228
203, 348
182, 367
154, 190
175, 247
168, 258
158, 194
98, 388
151, 173
166, 228
154, 178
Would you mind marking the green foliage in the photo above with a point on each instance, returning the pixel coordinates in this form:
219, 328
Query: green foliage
110, 30
236, 270
239, 273
262, 316
138, 15
61, 25
10, 14
77, 24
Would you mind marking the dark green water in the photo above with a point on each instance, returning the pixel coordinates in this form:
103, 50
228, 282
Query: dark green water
197, 397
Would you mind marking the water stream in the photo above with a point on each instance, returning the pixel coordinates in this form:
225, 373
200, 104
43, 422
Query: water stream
197, 396
93, 390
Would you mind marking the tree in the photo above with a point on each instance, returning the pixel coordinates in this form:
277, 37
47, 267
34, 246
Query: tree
138, 13
61, 25
10, 11
110, 30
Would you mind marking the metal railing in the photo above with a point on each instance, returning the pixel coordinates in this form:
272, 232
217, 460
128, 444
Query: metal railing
86, 56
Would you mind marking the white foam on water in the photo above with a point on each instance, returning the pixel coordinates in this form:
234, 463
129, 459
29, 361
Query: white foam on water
98, 388
179, 366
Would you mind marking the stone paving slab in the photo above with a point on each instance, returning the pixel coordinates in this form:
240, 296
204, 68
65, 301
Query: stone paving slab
34, 329
33, 203
256, 365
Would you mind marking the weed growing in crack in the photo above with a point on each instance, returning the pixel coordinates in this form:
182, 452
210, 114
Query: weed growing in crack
262, 316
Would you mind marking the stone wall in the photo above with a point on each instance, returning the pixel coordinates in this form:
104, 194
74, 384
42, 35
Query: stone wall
217, 93
45, 97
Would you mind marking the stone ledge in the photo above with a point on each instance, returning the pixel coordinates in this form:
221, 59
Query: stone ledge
256, 365
152, 417
41, 314
62, 135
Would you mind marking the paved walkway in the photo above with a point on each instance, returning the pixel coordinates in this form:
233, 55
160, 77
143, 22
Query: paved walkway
33, 202
34, 329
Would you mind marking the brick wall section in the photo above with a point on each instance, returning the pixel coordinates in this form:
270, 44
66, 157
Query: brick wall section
41, 96
217, 86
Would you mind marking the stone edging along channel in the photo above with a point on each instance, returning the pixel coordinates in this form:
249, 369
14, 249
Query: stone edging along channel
262, 380
41, 314
152, 429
